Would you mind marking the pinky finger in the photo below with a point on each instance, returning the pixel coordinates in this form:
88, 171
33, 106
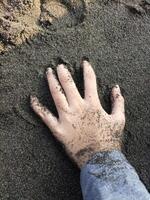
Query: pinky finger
47, 117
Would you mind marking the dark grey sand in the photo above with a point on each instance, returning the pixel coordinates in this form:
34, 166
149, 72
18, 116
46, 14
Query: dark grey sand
116, 39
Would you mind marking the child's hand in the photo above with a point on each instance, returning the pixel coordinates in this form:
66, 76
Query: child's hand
83, 125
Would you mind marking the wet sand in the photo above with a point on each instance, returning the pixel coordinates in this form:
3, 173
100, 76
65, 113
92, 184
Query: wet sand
116, 39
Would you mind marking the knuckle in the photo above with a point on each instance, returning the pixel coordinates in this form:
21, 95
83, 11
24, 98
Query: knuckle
118, 97
58, 100
66, 78
119, 120
79, 105
57, 132
122, 123
55, 87
121, 98
44, 112
39, 112
90, 75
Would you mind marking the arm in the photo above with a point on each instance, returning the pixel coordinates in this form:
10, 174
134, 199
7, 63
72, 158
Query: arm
109, 176
86, 129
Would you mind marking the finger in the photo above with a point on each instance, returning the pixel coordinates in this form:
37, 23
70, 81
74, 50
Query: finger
90, 83
118, 108
56, 91
68, 85
47, 117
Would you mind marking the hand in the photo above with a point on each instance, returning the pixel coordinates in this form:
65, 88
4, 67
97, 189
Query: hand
83, 126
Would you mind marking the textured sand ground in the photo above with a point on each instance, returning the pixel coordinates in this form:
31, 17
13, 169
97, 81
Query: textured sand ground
33, 34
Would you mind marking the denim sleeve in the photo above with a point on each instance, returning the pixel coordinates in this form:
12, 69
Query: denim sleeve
109, 176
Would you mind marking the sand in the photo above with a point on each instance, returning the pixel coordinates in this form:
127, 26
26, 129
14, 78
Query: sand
116, 38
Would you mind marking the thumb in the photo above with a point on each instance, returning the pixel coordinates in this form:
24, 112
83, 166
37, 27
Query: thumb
47, 117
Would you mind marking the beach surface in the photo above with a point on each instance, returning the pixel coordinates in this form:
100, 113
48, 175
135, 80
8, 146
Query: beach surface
34, 35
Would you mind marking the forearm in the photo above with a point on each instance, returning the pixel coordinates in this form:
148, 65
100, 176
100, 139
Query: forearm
109, 176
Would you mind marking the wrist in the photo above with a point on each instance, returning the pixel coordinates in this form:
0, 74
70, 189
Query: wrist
85, 155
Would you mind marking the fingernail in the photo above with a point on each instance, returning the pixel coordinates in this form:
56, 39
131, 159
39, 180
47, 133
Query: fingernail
49, 70
33, 98
62, 65
84, 58
85, 61
117, 88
